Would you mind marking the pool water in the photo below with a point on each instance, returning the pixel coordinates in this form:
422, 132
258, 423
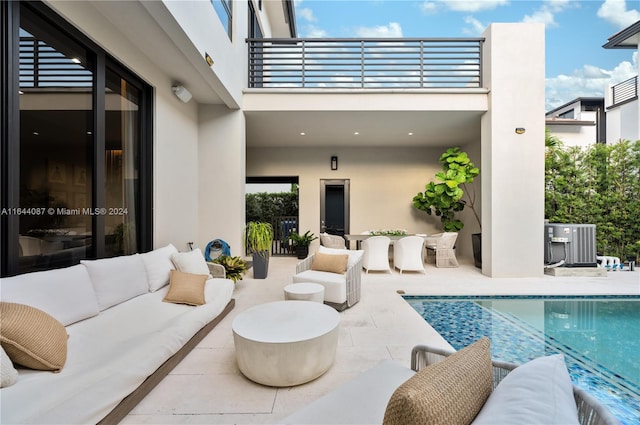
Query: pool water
598, 335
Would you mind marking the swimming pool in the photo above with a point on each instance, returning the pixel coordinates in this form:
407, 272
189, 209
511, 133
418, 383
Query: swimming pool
599, 336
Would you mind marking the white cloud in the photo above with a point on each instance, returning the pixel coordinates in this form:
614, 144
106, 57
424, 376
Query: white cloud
430, 7
392, 30
547, 11
615, 12
588, 81
315, 32
306, 14
474, 28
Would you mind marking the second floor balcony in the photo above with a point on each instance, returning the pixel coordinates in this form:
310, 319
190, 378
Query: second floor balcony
347, 63
625, 91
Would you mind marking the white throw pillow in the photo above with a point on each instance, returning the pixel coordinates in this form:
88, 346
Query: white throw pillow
8, 373
190, 262
67, 294
539, 392
117, 279
354, 255
158, 265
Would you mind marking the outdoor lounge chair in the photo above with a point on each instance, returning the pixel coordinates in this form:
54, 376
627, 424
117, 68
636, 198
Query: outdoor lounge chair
364, 399
332, 241
408, 254
340, 290
441, 246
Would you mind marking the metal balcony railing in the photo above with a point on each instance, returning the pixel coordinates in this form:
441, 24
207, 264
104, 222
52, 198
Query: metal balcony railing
626, 90
365, 63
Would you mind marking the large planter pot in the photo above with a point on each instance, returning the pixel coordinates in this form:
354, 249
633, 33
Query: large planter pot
302, 251
260, 264
476, 240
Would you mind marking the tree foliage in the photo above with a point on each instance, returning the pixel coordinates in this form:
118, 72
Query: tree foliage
600, 185
444, 198
266, 206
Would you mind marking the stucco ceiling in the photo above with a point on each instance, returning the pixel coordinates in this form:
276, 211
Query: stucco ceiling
377, 128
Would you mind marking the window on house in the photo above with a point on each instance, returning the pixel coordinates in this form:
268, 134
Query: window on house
224, 9
81, 187
568, 115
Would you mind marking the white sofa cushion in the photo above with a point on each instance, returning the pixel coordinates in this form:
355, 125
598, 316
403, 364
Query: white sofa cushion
335, 285
66, 294
158, 265
354, 255
190, 262
109, 356
538, 392
361, 400
117, 279
8, 373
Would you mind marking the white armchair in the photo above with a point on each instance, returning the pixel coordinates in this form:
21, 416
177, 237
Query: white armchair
340, 290
441, 246
376, 254
408, 254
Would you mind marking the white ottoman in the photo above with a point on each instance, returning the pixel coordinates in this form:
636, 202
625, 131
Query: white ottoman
286, 343
305, 291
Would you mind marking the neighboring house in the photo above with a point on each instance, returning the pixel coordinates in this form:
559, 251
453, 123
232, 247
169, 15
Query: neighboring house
95, 138
580, 122
621, 99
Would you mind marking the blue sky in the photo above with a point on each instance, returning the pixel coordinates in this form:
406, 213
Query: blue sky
576, 63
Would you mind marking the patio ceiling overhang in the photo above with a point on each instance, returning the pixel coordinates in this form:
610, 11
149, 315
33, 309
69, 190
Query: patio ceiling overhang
382, 119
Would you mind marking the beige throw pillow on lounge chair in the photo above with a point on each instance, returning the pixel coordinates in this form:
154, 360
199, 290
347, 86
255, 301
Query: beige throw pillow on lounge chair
330, 263
450, 392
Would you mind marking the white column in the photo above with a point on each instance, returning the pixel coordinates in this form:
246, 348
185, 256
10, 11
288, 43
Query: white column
512, 164
222, 175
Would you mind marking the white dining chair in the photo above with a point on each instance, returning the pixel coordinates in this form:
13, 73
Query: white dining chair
408, 254
376, 254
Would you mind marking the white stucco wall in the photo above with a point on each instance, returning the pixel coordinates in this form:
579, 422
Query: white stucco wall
574, 135
383, 182
221, 165
513, 164
623, 122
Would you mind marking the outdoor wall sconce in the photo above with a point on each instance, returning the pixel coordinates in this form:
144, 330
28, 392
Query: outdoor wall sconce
520, 130
208, 58
182, 93
334, 163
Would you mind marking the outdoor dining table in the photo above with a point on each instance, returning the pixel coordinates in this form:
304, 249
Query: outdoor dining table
358, 238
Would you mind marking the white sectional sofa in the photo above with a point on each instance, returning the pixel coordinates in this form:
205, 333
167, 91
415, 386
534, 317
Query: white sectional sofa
122, 338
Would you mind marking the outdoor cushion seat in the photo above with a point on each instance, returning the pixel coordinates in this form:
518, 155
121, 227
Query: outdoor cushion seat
341, 290
376, 254
408, 254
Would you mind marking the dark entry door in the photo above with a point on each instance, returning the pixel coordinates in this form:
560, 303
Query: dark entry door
334, 206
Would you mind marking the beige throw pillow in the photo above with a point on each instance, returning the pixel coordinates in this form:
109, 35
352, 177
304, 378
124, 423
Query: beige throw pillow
450, 392
32, 338
330, 263
186, 288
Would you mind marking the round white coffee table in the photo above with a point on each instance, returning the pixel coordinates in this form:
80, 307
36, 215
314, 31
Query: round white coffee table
306, 291
286, 343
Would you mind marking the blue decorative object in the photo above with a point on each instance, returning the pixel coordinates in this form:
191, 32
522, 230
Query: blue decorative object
218, 247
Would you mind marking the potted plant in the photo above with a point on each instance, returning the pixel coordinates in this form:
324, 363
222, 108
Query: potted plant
301, 243
446, 196
234, 267
258, 237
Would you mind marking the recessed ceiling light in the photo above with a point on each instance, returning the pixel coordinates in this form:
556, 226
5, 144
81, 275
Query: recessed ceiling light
75, 60
302, 133
89, 133
35, 133
356, 133
20, 92
410, 134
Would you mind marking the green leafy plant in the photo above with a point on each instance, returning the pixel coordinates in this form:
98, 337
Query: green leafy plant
258, 237
598, 184
235, 267
302, 240
388, 232
444, 197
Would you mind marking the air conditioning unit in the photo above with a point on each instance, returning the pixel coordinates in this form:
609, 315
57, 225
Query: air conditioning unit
575, 244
